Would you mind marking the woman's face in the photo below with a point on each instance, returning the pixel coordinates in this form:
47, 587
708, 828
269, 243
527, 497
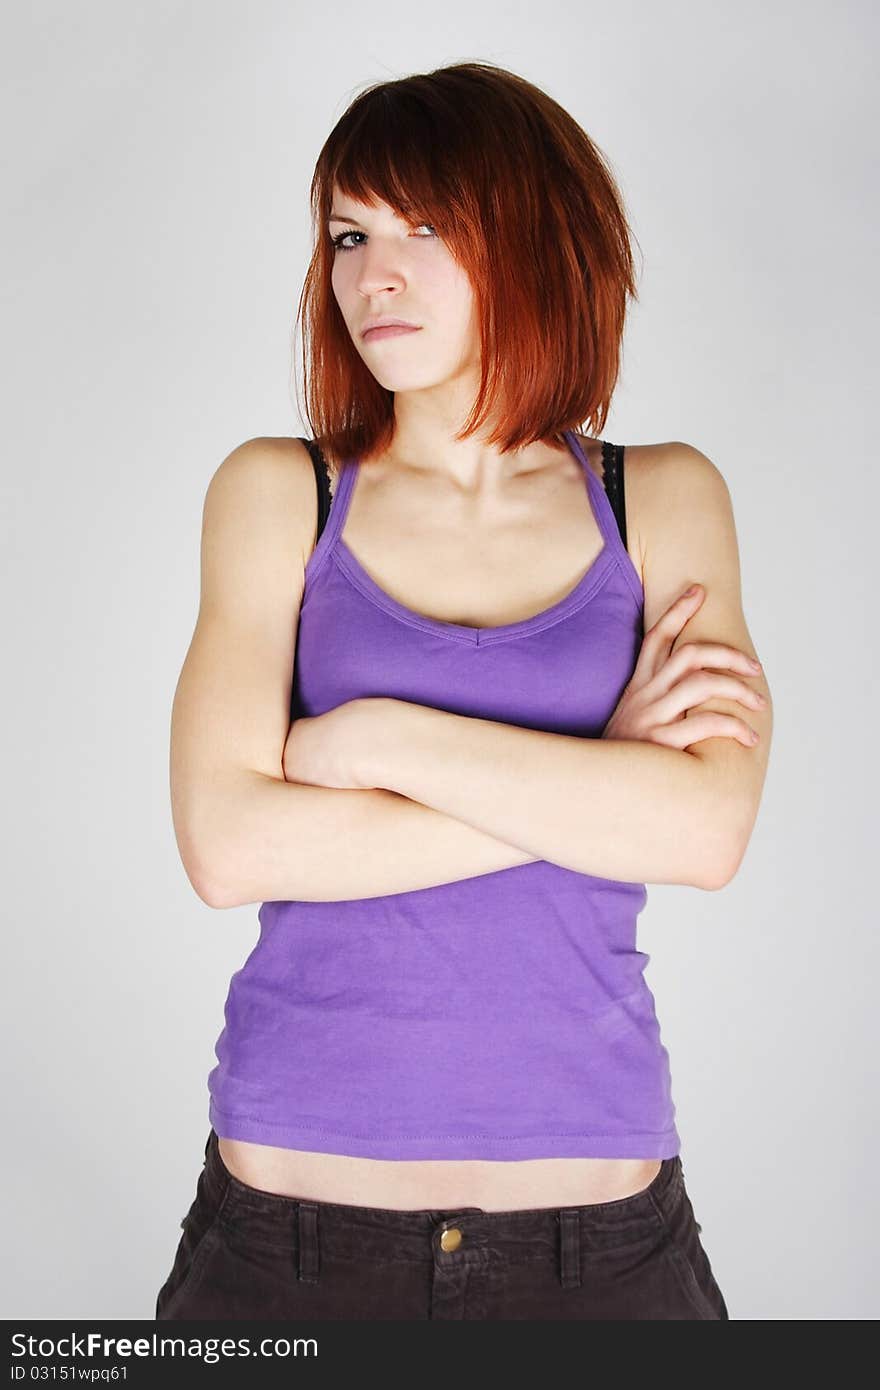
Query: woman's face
385, 267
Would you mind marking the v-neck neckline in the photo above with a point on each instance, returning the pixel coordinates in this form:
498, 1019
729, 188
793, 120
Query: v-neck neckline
591, 580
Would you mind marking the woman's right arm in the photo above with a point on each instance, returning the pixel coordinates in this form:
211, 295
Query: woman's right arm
246, 835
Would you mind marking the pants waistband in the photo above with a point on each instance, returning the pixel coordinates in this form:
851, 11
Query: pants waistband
443, 1235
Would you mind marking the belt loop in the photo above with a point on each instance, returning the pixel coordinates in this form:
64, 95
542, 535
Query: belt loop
307, 1224
569, 1248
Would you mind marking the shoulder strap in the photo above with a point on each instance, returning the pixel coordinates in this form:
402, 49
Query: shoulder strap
322, 479
612, 477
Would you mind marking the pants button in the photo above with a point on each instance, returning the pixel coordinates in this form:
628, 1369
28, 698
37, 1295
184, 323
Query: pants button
451, 1238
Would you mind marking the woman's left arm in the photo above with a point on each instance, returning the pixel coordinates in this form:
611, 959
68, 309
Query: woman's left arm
622, 809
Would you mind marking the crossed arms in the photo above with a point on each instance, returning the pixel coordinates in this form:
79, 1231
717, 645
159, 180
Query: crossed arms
444, 797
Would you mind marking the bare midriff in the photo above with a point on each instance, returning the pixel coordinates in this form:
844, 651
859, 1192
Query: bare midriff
416, 1184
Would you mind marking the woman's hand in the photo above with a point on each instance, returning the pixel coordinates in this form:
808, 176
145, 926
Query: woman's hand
663, 688
333, 749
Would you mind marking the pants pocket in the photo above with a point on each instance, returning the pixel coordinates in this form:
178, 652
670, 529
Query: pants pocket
200, 1231
686, 1255
690, 1284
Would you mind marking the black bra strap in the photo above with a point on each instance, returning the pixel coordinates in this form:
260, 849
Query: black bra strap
322, 478
612, 476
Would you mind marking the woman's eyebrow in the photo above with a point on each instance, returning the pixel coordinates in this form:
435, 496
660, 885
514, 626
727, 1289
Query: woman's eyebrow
336, 217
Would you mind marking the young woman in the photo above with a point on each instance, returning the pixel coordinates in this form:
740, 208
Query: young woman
441, 1090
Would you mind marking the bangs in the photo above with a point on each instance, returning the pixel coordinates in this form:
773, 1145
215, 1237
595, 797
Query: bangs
409, 151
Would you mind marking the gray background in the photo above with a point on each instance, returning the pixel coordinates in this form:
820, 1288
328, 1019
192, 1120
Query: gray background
156, 171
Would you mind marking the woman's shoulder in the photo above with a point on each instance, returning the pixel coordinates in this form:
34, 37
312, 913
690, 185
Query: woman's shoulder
639, 459
268, 463
269, 477
654, 475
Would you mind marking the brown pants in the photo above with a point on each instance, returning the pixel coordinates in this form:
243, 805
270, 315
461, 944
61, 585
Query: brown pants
247, 1254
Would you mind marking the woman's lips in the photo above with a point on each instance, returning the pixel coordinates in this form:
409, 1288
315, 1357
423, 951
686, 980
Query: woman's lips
390, 332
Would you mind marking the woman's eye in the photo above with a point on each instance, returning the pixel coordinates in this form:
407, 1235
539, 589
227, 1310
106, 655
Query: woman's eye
338, 241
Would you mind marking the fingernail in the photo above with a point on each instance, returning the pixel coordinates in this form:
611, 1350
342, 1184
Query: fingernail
689, 592
754, 663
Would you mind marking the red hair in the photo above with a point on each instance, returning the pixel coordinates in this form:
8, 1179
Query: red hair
527, 204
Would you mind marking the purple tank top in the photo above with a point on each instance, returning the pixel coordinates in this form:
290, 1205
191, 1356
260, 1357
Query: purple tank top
504, 1016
